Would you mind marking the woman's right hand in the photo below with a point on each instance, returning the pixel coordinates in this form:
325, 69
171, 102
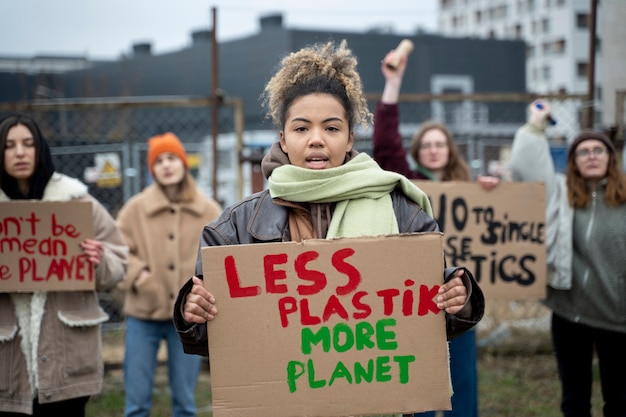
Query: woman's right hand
393, 78
398, 72
200, 304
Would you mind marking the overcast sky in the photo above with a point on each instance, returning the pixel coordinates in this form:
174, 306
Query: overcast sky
105, 29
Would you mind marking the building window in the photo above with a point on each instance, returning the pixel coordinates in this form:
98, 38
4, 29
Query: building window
501, 11
530, 51
546, 73
478, 16
545, 25
447, 3
554, 48
582, 20
560, 2
558, 46
518, 31
581, 69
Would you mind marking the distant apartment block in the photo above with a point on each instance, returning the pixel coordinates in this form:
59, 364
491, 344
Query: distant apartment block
556, 33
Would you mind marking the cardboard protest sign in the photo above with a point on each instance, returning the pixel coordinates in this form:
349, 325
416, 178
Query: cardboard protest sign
328, 327
499, 235
40, 246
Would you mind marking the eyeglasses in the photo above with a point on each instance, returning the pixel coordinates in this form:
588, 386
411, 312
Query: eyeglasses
597, 152
436, 145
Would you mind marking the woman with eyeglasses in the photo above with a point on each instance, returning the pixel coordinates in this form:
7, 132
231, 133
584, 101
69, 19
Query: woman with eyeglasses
432, 148
586, 244
437, 158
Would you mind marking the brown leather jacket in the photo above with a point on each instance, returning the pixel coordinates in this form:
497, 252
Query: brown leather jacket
258, 219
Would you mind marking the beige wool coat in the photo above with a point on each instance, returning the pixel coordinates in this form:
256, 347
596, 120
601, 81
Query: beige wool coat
50, 342
163, 238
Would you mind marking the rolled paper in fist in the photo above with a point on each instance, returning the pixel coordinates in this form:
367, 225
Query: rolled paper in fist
405, 47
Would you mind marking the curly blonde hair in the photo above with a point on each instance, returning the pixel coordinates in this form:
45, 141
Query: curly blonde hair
319, 68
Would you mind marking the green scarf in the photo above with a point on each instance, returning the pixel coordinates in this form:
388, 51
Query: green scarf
360, 188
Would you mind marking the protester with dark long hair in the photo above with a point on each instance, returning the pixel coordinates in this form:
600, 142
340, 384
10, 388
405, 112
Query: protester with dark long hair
50, 343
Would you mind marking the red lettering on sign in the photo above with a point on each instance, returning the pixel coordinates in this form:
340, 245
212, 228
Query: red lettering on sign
334, 306
363, 310
234, 285
427, 300
59, 229
317, 278
5, 273
77, 268
354, 276
272, 275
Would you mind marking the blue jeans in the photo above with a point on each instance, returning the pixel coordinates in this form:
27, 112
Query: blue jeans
140, 361
464, 376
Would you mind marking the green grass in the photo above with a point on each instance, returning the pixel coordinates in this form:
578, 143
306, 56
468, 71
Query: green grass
510, 385
524, 385
110, 403
518, 380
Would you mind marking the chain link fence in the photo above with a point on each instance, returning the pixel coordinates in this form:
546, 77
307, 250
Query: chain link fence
483, 126
103, 143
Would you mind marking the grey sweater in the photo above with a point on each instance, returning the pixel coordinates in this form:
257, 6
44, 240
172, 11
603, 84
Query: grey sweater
586, 247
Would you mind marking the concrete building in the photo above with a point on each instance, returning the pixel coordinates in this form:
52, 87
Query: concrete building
438, 65
556, 33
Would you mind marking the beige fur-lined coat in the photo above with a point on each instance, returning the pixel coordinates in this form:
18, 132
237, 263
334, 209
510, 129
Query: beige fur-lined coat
163, 238
50, 342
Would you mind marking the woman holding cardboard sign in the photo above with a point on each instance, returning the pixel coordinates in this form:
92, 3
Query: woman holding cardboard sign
437, 158
50, 343
586, 248
320, 187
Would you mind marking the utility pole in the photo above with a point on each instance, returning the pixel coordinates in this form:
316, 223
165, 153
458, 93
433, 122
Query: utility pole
591, 68
216, 100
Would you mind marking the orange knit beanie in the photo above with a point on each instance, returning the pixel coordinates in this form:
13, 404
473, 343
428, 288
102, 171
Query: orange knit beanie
167, 142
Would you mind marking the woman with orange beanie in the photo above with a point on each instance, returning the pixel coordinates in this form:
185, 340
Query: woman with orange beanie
162, 226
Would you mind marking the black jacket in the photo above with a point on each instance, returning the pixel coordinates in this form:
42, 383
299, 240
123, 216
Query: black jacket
257, 219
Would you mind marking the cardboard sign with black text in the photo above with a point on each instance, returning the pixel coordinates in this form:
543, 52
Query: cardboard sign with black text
499, 235
40, 246
328, 327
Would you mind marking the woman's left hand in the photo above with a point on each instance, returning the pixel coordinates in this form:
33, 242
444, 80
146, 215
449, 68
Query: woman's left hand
487, 183
93, 249
452, 295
